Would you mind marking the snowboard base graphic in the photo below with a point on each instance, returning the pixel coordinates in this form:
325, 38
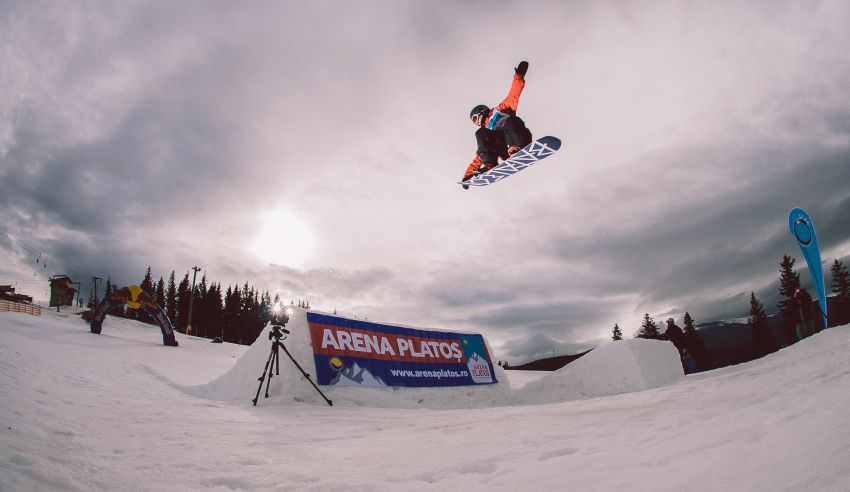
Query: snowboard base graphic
532, 153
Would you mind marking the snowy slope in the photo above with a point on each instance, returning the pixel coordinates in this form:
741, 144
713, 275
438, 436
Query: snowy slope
121, 411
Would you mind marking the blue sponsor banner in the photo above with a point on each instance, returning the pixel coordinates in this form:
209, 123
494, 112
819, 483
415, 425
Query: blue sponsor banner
803, 230
359, 353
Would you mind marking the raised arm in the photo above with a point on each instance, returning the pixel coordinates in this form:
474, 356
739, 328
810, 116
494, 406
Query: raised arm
510, 104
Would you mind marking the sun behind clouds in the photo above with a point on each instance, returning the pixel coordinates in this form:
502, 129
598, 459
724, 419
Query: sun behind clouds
283, 238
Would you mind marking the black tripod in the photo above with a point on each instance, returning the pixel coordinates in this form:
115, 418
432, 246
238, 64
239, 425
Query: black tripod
274, 361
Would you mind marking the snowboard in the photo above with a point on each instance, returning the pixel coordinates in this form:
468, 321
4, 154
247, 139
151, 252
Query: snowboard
531, 154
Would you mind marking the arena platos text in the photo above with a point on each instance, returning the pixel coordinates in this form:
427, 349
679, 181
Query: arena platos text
369, 343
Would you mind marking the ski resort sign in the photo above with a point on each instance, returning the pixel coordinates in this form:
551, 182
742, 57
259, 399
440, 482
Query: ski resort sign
359, 353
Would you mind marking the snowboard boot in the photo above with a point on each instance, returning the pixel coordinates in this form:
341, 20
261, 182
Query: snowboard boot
513, 149
483, 168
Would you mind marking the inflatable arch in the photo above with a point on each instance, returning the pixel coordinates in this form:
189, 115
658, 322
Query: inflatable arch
135, 298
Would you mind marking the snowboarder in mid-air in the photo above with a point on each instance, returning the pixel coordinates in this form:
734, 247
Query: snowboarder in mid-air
501, 133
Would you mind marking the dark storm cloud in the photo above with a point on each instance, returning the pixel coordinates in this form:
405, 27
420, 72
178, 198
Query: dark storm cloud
135, 179
134, 174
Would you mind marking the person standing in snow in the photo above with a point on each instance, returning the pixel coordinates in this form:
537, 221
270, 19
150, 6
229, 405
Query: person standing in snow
500, 133
675, 335
804, 306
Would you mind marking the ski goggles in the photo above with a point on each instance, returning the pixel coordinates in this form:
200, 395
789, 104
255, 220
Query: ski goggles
476, 119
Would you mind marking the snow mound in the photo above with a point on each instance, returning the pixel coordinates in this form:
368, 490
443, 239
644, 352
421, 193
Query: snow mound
618, 367
241, 382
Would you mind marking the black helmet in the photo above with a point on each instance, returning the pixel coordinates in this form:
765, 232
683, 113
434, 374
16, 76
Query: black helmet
480, 109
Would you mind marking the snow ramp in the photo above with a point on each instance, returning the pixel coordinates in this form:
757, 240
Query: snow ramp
624, 366
241, 382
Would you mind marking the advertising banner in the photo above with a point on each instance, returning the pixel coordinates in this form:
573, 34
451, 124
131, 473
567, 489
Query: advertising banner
803, 230
135, 298
360, 353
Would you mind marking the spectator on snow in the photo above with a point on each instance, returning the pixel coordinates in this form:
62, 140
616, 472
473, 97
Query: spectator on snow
675, 335
805, 326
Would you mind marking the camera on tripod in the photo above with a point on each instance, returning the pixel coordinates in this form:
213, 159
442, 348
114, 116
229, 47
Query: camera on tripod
277, 332
273, 364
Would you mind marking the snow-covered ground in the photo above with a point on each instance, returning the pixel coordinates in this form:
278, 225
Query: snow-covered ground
120, 411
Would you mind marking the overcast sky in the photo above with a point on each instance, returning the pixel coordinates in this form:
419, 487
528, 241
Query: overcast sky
313, 149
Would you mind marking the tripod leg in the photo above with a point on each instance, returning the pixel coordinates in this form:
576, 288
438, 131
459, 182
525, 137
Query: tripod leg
273, 359
306, 376
260, 387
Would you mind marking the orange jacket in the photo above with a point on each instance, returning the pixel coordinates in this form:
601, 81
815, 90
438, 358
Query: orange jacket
508, 107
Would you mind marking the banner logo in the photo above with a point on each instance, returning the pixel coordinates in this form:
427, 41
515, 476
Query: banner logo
802, 231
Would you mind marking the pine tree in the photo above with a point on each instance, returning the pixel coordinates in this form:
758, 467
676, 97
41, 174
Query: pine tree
214, 311
184, 291
789, 309
841, 289
147, 282
231, 316
199, 315
239, 315
251, 323
695, 343
763, 342
160, 293
148, 287
618, 334
648, 329
257, 311
265, 309
840, 280
171, 299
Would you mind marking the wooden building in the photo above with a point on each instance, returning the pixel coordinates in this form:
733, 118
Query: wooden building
8, 292
61, 292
